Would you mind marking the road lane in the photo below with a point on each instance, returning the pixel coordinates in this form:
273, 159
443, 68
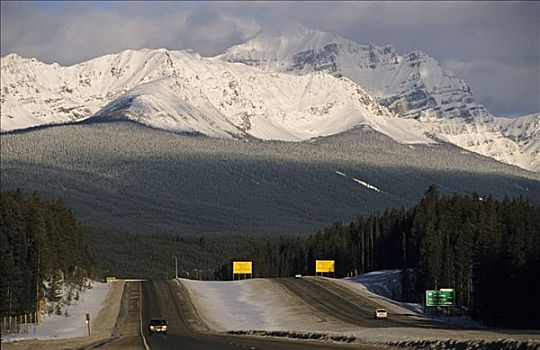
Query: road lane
331, 299
170, 300
127, 331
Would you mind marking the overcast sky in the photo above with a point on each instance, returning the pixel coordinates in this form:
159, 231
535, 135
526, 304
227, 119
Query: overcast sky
494, 46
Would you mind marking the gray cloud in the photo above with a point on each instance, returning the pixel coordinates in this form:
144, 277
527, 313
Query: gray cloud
494, 46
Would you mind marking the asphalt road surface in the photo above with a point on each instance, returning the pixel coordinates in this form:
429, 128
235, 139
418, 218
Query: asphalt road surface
330, 298
186, 331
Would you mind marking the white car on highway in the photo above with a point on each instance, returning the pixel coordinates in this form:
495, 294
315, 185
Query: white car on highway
157, 325
381, 313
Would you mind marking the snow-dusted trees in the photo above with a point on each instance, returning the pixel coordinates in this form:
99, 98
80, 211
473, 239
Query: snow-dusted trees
124, 176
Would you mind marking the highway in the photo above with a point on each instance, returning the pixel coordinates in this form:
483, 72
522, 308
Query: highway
327, 297
186, 331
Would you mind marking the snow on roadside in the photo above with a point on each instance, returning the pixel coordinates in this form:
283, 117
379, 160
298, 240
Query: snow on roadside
261, 307
251, 304
406, 338
387, 283
74, 324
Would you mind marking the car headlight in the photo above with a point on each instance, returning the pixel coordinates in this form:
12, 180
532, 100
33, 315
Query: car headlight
152, 327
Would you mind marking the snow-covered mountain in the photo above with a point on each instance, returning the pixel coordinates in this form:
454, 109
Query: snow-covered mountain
292, 87
184, 92
413, 85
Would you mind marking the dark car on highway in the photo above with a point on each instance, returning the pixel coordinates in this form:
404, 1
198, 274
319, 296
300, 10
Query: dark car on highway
157, 325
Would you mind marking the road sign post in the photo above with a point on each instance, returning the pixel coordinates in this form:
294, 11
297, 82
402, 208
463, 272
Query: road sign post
441, 297
324, 266
244, 268
88, 323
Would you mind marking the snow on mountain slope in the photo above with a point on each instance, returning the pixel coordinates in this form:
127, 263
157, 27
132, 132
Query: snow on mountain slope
183, 92
34, 93
412, 85
407, 84
156, 104
525, 131
266, 106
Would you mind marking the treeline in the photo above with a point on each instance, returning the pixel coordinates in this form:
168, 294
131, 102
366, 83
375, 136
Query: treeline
487, 250
130, 255
42, 248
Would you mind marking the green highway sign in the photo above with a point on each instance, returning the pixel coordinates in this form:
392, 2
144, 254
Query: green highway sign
441, 297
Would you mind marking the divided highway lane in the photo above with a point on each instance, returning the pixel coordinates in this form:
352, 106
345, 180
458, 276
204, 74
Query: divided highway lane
185, 330
330, 298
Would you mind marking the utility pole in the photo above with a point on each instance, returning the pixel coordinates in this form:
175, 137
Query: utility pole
88, 323
175, 266
38, 311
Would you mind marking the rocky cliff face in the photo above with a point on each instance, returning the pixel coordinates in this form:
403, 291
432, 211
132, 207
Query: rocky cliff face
414, 86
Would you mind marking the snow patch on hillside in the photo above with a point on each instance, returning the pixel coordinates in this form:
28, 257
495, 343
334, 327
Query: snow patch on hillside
386, 283
363, 183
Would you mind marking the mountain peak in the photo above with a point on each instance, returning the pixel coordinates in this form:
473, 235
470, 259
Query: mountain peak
289, 30
12, 56
15, 58
281, 45
413, 85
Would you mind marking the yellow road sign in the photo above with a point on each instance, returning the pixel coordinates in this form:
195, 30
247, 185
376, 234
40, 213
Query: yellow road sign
242, 267
324, 265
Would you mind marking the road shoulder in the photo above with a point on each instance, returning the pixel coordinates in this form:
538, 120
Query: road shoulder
102, 327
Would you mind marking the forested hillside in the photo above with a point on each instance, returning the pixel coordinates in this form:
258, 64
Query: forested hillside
41, 248
126, 177
485, 249
130, 255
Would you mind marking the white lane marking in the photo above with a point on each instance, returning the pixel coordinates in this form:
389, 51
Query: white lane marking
140, 317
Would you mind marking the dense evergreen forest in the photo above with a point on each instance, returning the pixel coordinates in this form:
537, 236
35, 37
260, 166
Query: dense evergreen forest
485, 249
129, 255
488, 250
42, 248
